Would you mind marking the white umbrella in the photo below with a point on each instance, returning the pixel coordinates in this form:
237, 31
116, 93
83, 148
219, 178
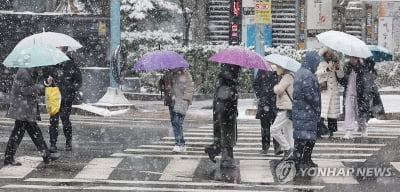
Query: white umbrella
343, 42
52, 39
284, 61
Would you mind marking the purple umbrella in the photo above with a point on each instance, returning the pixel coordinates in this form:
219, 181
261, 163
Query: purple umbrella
160, 60
242, 57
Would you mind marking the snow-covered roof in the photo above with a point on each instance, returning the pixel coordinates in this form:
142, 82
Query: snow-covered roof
32, 13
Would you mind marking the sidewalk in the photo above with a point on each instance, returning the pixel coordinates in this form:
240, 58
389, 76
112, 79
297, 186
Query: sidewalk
203, 109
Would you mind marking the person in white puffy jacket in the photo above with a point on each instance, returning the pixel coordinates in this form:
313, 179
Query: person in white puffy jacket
328, 72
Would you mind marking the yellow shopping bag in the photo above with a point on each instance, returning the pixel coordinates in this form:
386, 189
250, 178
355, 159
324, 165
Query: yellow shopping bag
53, 100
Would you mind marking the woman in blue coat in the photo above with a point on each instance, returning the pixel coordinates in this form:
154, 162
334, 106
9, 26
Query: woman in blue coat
306, 109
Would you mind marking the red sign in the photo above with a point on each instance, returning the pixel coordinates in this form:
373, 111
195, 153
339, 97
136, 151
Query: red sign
236, 8
234, 27
262, 6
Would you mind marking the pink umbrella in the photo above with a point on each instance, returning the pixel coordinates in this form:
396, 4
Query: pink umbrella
241, 57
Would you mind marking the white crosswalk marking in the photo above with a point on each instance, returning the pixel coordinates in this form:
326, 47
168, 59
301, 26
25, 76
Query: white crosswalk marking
256, 153
180, 170
99, 168
18, 172
257, 171
209, 184
192, 171
396, 165
335, 179
239, 148
119, 188
258, 143
236, 157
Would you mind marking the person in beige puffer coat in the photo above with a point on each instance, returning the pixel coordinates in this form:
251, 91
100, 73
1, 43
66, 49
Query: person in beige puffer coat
284, 97
328, 72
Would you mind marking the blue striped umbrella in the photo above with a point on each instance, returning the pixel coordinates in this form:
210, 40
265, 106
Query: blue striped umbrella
380, 54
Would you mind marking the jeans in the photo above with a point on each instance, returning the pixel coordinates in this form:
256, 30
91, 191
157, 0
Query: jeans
177, 121
64, 113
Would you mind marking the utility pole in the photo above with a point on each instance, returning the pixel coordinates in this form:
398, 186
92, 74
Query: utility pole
115, 27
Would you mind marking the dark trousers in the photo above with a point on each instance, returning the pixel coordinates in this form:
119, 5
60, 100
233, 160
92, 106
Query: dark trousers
266, 134
64, 113
18, 133
303, 150
332, 124
225, 129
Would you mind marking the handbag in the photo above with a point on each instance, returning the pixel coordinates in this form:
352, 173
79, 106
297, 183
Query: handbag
323, 86
180, 106
53, 100
289, 112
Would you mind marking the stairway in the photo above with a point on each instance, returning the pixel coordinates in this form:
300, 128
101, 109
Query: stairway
284, 17
218, 21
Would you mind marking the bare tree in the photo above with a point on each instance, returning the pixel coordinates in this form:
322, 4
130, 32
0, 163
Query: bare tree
64, 5
188, 7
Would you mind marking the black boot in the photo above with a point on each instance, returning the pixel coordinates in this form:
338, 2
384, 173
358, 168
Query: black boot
277, 148
308, 153
212, 151
68, 145
265, 145
53, 148
332, 126
12, 162
227, 160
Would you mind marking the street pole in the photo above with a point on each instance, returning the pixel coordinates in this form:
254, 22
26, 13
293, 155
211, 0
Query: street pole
114, 94
115, 28
259, 42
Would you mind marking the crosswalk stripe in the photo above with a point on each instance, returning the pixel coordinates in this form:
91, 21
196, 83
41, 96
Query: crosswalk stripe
120, 188
238, 148
199, 184
236, 157
18, 172
258, 143
254, 154
251, 126
335, 179
396, 165
180, 170
99, 168
259, 138
257, 134
257, 171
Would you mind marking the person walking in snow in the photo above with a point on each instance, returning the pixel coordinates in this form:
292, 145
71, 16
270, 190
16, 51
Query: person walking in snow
306, 110
25, 110
179, 89
68, 77
224, 115
356, 97
266, 110
328, 72
281, 129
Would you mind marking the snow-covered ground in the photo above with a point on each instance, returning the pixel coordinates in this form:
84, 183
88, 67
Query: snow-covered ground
204, 108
